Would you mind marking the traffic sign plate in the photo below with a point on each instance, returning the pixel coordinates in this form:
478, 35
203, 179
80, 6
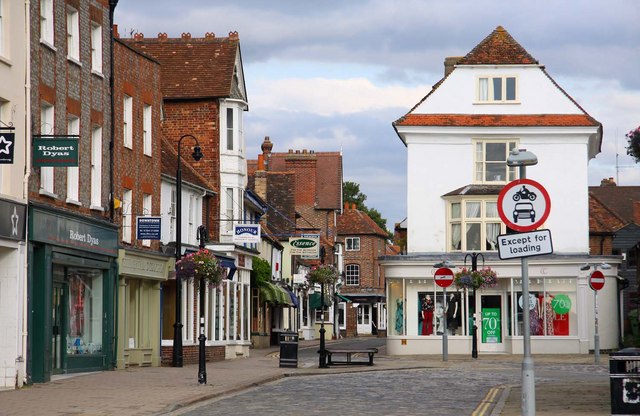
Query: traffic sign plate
443, 277
524, 205
596, 280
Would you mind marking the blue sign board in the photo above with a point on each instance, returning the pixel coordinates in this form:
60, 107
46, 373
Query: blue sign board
149, 228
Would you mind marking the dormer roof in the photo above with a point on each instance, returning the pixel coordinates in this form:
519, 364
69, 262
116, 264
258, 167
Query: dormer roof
499, 48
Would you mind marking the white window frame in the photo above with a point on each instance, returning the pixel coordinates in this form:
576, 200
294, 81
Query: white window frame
47, 127
46, 22
352, 243
147, 137
96, 168
462, 214
230, 131
73, 35
73, 176
147, 206
191, 213
172, 214
96, 47
127, 121
482, 172
352, 274
228, 223
127, 215
487, 93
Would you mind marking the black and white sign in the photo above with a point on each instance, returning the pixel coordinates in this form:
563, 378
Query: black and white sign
535, 243
524, 205
7, 145
149, 228
246, 233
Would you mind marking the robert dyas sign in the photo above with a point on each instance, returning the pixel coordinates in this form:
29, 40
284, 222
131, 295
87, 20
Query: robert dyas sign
55, 150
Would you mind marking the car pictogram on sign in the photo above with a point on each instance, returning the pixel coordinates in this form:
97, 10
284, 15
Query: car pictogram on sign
524, 210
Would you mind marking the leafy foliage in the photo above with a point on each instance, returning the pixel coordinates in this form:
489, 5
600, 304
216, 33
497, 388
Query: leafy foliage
324, 273
633, 139
478, 279
202, 263
351, 194
261, 272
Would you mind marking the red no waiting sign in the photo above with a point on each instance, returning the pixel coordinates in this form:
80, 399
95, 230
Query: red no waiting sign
443, 277
596, 280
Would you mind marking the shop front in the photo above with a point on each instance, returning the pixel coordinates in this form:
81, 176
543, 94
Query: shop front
72, 283
139, 307
561, 309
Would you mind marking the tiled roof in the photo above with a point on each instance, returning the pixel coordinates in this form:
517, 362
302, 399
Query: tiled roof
192, 67
499, 48
497, 120
189, 173
476, 190
618, 199
601, 218
355, 222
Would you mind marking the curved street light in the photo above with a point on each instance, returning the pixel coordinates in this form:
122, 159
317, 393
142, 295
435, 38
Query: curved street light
177, 357
474, 268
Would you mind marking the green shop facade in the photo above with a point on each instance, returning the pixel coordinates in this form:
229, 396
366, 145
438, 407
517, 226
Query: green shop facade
73, 277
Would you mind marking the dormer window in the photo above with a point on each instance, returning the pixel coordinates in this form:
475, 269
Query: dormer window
497, 89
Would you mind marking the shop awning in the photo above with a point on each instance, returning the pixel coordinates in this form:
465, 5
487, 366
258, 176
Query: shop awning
364, 298
343, 298
315, 301
294, 298
227, 263
275, 294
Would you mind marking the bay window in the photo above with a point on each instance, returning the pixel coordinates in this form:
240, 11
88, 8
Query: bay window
474, 225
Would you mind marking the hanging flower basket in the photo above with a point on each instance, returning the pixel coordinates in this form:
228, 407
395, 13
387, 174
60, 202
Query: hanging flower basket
479, 279
323, 274
202, 263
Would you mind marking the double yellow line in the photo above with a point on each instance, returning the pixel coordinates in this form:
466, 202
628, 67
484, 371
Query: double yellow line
489, 401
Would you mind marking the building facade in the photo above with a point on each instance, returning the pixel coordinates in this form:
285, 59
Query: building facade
495, 99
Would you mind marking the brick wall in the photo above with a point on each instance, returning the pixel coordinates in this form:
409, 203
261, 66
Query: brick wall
600, 245
139, 78
72, 89
371, 276
190, 354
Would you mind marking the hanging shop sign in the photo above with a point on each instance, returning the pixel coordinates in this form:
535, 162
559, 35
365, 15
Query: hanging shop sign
534, 243
524, 205
7, 146
246, 233
13, 219
148, 228
491, 326
305, 246
55, 151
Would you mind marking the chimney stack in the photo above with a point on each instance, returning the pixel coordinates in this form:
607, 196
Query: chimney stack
449, 63
607, 182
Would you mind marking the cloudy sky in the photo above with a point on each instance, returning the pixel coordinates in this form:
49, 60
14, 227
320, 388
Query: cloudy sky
334, 74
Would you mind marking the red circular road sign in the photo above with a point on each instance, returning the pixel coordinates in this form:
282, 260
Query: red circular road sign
524, 205
443, 277
596, 280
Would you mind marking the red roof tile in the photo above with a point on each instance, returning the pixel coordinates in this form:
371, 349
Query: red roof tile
497, 120
601, 218
618, 199
499, 48
356, 222
189, 173
192, 67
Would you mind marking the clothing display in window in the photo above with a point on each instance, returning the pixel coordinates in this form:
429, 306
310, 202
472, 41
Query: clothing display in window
399, 316
427, 315
453, 313
548, 315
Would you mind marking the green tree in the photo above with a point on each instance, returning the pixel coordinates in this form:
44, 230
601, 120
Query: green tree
633, 139
261, 272
352, 194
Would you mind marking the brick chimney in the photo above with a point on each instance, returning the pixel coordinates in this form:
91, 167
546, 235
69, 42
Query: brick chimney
449, 63
260, 179
607, 182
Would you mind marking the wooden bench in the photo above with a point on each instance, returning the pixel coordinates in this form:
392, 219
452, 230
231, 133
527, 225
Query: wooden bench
349, 353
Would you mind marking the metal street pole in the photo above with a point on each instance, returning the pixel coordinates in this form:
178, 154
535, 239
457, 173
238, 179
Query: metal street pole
322, 351
596, 336
176, 355
202, 366
474, 336
445, 339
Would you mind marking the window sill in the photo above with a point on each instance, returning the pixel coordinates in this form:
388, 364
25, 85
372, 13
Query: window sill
515, 102
74, 61
6, 61
73, 202
46, 193
49, 45
97, 73
96, 208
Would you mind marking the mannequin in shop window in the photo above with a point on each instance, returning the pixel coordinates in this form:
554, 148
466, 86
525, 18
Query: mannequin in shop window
453, 313
427, 315
535, 323
549, 314
439, 312
399, 317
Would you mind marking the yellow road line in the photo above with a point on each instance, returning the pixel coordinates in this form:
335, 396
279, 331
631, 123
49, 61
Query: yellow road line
488, 402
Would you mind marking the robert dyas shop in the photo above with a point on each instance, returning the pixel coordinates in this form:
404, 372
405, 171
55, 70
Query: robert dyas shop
72, 281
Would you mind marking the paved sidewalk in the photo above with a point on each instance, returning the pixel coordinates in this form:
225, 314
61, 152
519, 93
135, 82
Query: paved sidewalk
153, 391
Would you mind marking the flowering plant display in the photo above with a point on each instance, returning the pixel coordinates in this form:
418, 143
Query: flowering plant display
322, 274
202, 263
633, 138
478, 279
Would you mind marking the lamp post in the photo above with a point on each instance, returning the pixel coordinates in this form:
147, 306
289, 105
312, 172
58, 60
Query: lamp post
322, 352
474, 334
202, 367
177, 327
522, 158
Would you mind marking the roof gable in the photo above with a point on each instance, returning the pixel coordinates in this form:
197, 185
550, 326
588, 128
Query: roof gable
355, 222
618, 199
499, 48
196, 67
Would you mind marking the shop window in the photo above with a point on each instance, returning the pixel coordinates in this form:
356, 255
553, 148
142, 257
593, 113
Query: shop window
85, 294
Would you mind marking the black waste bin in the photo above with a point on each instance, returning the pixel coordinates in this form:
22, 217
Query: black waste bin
624, 373
288, 349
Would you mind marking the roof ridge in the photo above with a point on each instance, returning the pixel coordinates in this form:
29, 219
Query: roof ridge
499, 47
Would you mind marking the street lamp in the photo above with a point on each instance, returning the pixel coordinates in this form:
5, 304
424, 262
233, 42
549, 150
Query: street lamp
596, 335
523, 158
474, 268
322, 363
177, 327
202, 367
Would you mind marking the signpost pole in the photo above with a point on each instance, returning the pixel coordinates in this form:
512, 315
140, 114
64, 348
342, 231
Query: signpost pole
596, 336
445, 340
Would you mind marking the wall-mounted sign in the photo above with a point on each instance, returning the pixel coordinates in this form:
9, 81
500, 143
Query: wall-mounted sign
7, 145
55, 150
13, 220
148, 228
246, 233
305, 246
529, 244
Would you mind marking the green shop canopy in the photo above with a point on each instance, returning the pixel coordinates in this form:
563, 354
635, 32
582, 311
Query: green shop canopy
315, 301
275, 294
